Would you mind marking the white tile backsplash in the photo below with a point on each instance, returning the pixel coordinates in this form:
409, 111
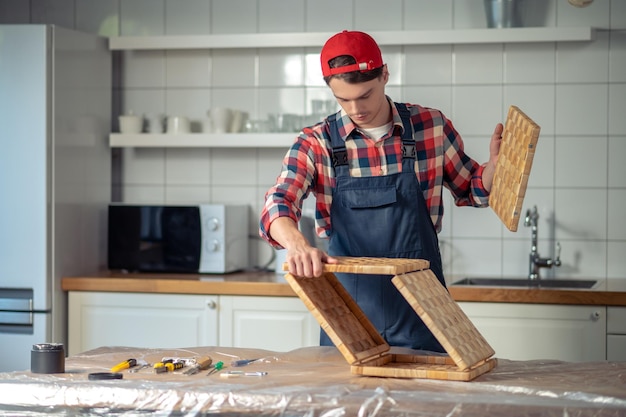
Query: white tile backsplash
581, 161
576, 91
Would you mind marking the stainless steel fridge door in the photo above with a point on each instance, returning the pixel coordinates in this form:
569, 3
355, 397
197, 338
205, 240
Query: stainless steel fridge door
16, 347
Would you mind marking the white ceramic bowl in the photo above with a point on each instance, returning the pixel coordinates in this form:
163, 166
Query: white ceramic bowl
131, 124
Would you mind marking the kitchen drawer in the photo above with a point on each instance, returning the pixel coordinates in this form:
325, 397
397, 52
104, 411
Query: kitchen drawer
616, 348
616, 320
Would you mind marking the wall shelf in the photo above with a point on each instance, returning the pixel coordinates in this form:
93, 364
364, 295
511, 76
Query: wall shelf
202, 140
317, 39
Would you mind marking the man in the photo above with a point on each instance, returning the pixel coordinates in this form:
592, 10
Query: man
377, 171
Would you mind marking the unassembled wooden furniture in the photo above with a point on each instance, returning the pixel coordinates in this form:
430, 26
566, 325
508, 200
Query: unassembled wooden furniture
469, 354
519, 140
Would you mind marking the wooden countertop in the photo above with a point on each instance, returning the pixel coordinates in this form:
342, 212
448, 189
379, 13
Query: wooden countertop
607, 293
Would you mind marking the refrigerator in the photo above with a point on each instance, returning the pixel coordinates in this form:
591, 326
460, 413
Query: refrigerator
55, 176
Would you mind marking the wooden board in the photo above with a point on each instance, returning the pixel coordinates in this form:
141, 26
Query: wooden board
366, 350
377, 266
517, 150
445, 319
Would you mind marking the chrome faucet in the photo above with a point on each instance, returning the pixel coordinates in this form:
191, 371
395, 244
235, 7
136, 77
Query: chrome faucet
536, 262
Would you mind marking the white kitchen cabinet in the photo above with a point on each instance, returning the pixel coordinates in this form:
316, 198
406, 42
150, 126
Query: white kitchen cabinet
272, 323
541, 331
180, 320
616, 334
140, 320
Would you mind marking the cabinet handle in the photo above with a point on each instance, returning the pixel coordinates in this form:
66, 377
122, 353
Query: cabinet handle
595, 316
212, 305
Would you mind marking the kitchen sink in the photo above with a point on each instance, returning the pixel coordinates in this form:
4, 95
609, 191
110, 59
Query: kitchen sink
525, 282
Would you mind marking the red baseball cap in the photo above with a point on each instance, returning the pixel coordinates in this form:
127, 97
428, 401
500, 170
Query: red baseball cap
361, 46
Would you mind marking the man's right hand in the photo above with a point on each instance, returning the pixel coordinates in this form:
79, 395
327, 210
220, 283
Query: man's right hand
303, 259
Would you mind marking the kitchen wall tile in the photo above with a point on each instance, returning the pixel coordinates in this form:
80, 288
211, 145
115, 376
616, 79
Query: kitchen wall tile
281, 67
446, 221
583, 62
533, 13
617, 104
143, 194
393, 57
373, 15
187, 194
281, 16
536, 101
582, 259
319, 93
529, 63
143, 69
617, 56
617, 202
543, 199
515, 258
187, 17
436, 97
192, 103
270, 161
236, 166
185, 166
490, 69
617, 167
101, 17
575, 115
476, 109
427, 15
281, 100
234, 16
237, 194
244, 99
234, 68
471, 222
428, 65
581, 214
581, 161
469, 14
595, 15
143, 166
142, 17
542, 170
141, 102
328, 16
14, 11
477, 258
618, 14
616, 261
186, 68
54, 12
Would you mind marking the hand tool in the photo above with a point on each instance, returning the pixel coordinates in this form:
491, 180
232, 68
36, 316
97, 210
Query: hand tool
129, 363
141, 364
229, 374
161, 367
218, 367
201, 364
242, 362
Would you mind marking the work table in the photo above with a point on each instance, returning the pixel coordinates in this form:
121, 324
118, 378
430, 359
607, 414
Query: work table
309, 381
606, 293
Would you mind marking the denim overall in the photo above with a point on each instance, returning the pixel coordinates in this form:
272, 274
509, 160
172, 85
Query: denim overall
387, 217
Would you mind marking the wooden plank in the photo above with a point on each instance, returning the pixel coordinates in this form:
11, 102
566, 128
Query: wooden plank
377, 266
517, 150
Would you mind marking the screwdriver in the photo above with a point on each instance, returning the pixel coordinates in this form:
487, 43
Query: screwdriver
161, 367
218, 367
202, 363
242, 362
129, 363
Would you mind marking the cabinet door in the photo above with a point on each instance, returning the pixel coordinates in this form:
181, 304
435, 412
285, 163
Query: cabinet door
140, 320
534, 331
273, 323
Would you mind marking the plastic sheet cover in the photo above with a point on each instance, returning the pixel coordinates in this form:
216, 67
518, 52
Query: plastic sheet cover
309, 382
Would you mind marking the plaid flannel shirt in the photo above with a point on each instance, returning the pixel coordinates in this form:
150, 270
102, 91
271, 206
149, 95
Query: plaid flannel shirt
441, 162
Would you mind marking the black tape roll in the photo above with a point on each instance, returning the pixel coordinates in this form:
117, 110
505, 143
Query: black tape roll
99, 376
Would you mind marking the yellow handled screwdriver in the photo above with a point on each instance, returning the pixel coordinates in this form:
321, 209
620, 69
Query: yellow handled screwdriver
129, 363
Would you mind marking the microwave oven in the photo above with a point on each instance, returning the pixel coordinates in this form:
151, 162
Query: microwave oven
205, 238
